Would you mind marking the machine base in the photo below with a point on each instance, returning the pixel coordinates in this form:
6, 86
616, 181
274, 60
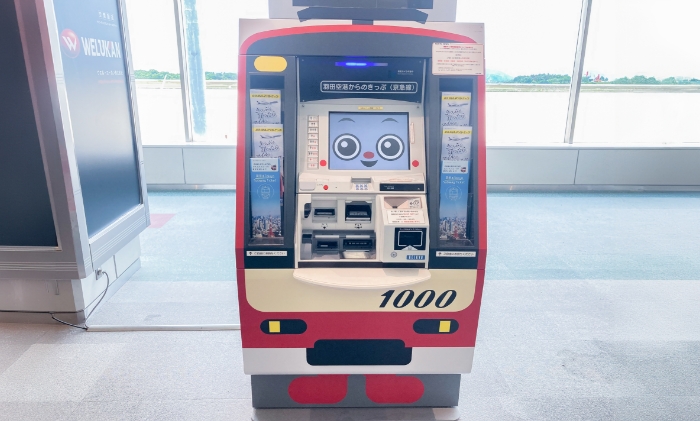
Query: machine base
356, 391
351, 414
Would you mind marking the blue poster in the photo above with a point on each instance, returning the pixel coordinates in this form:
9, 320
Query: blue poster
454, 200
94, 69
265, 204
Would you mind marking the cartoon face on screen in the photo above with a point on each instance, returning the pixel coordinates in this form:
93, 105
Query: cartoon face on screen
368, 141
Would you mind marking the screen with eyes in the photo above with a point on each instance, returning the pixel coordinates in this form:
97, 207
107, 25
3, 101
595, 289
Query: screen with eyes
368, 141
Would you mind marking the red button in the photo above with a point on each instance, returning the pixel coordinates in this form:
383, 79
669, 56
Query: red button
325, 187
415, 163
323, 162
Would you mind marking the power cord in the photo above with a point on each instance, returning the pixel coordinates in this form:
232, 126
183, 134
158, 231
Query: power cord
98, 275
68, 324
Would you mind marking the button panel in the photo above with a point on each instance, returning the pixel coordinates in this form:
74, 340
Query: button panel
312, 146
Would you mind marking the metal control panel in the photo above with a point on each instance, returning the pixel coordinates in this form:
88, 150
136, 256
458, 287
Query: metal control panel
361, 163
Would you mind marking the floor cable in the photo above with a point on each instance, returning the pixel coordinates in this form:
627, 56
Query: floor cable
98, 275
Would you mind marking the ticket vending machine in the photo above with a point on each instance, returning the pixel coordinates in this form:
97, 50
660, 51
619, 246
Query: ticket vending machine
361, 210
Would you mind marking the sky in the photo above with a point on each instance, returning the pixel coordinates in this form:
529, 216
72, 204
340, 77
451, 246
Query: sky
627, 37
644, 37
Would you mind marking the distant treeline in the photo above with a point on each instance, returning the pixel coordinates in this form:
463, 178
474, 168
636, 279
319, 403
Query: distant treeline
547, 79
642, 80
543, 78
491, 77
155, 74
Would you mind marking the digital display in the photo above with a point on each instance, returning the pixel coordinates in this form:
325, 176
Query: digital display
368, 141
410, 238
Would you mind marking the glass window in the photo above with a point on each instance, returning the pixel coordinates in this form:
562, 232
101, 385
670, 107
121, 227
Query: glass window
217, 49
530, 49
643, 69
155, 61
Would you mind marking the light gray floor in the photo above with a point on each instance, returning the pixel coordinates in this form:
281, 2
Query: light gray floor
591, 311
188, 271
548, 350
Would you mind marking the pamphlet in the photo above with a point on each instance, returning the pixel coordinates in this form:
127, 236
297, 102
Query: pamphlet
268, 141
456, 108
456, 143
266, 106
454, 200
265, 204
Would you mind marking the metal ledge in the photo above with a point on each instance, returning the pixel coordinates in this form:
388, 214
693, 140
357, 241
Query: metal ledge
170, 187
563, 188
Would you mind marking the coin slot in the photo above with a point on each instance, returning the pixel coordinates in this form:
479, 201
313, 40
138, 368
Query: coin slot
324, 212
356, 244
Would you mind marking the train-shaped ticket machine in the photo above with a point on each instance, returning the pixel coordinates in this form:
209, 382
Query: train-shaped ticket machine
361, 207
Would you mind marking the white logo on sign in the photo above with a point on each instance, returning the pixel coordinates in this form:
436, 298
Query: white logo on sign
71, 43
265, 192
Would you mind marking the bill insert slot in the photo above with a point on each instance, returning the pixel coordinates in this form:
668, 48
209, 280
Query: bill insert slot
358, 211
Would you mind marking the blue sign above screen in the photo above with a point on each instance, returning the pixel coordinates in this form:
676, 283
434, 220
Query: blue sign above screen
368, 141
393, 78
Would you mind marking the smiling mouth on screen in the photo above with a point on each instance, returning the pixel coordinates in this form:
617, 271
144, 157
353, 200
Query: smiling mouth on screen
368, 163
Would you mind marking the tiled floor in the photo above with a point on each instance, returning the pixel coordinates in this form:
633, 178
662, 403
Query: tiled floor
188, 272
594, 236
591, 311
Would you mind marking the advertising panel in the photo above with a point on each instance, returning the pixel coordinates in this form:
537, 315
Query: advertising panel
94, 67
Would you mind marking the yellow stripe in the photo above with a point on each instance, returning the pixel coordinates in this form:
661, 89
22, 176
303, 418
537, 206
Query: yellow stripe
270, 64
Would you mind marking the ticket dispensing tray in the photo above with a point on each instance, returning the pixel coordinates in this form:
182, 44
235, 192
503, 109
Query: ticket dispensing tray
362, 278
